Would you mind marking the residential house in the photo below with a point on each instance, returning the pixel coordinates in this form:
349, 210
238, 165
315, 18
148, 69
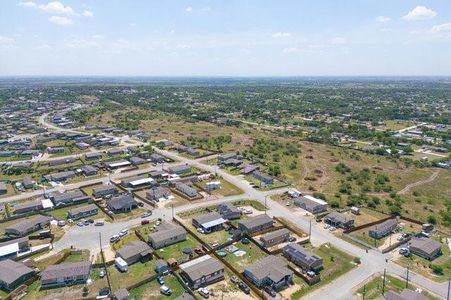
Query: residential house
11, 248
157, 158
158, 193
122, 203
69, 197
227, 156
121, 294
117, 164
66, 274
60, 176
88, 170
82, 212
27, 226
228, 211
266, 179
62, 161
104, 190
303, 257
27, 207
270, 271
13, 274
93, 156
202, 271
180, 169
275, 237
27, 182
135, 251
137, 182
405, 294
248, 169
115, 152
311, 204
378, 231
186, 189
167, 234
425, 247
209, 222
255, 224
337, 219
136, 161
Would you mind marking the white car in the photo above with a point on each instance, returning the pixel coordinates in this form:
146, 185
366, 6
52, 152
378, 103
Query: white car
332, 228
165, 290
123, 232
204, 292
326, 226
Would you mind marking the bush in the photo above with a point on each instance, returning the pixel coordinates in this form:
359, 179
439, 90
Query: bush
357, 260
319, 195
334, 204
432, 219
438, 270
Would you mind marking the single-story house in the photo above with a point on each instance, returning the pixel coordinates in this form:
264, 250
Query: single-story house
303, 257
27, 206
228, 211
88, 170
104, 190
82, 212
337, 219
11, 248
167, 234
378, 231
186, 189
122, 203
227, 156
69, 197
138, 181
66, 274
115, 152
93, 156
158, 193
209, 222
157, 158
27, 182
62, 161
270, 271
248, 169
117, 164
311, 204
255, 224
275, 237
180, 169
425, 247
27, 226
202, 271
3, 189
60, 176
13, 274
136, 161
405, 294
121, 294
135, 251
265, 178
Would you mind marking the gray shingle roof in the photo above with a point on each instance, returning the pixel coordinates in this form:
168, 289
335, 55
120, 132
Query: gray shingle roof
10, 271
66, 270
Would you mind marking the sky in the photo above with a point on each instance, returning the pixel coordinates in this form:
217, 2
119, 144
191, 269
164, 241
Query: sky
225, 38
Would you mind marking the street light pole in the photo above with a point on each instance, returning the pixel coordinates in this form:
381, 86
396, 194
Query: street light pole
266, 196
407, 277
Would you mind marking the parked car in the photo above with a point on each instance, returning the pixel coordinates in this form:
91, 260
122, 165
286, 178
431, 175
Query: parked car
204, 293
61, 223
102, 273
165, 290
140, 204
123, 232
115, 238
90, 221
200, 230
234, 279
86, 222
270, 291
104, 293
80, 224
326, 226
160, 280
146, 214
244, 288
145, 222
332, 228
292, 239
245, 241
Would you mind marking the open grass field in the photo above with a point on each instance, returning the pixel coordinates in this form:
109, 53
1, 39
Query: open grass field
175, 250
136, 273
227, 189
253, 254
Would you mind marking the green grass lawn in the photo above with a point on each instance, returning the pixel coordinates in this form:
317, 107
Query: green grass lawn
227, 188
373, 289
423, 266
175, 251
253, 254
136, 273
151, 290
335, 263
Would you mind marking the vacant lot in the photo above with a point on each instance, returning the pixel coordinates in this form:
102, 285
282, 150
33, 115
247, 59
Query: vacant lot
151, 290
136, 272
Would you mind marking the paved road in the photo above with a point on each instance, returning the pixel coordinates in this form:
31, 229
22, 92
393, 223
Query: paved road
372, 262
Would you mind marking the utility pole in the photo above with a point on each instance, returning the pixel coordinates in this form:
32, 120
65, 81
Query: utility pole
407, 277
383, 284
364, 292
449, 287
266, 196
310, 231
102, 257
172, 206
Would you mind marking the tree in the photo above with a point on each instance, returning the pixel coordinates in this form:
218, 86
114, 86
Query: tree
432, 219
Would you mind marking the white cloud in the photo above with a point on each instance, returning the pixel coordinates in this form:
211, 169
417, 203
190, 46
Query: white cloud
62, 21
6, 41
27, 4
87, 13
292, 50
441, 28
80, 44
43, 47
382, 19
420, 13
172, 31
189, 9
339, 40
278, 35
